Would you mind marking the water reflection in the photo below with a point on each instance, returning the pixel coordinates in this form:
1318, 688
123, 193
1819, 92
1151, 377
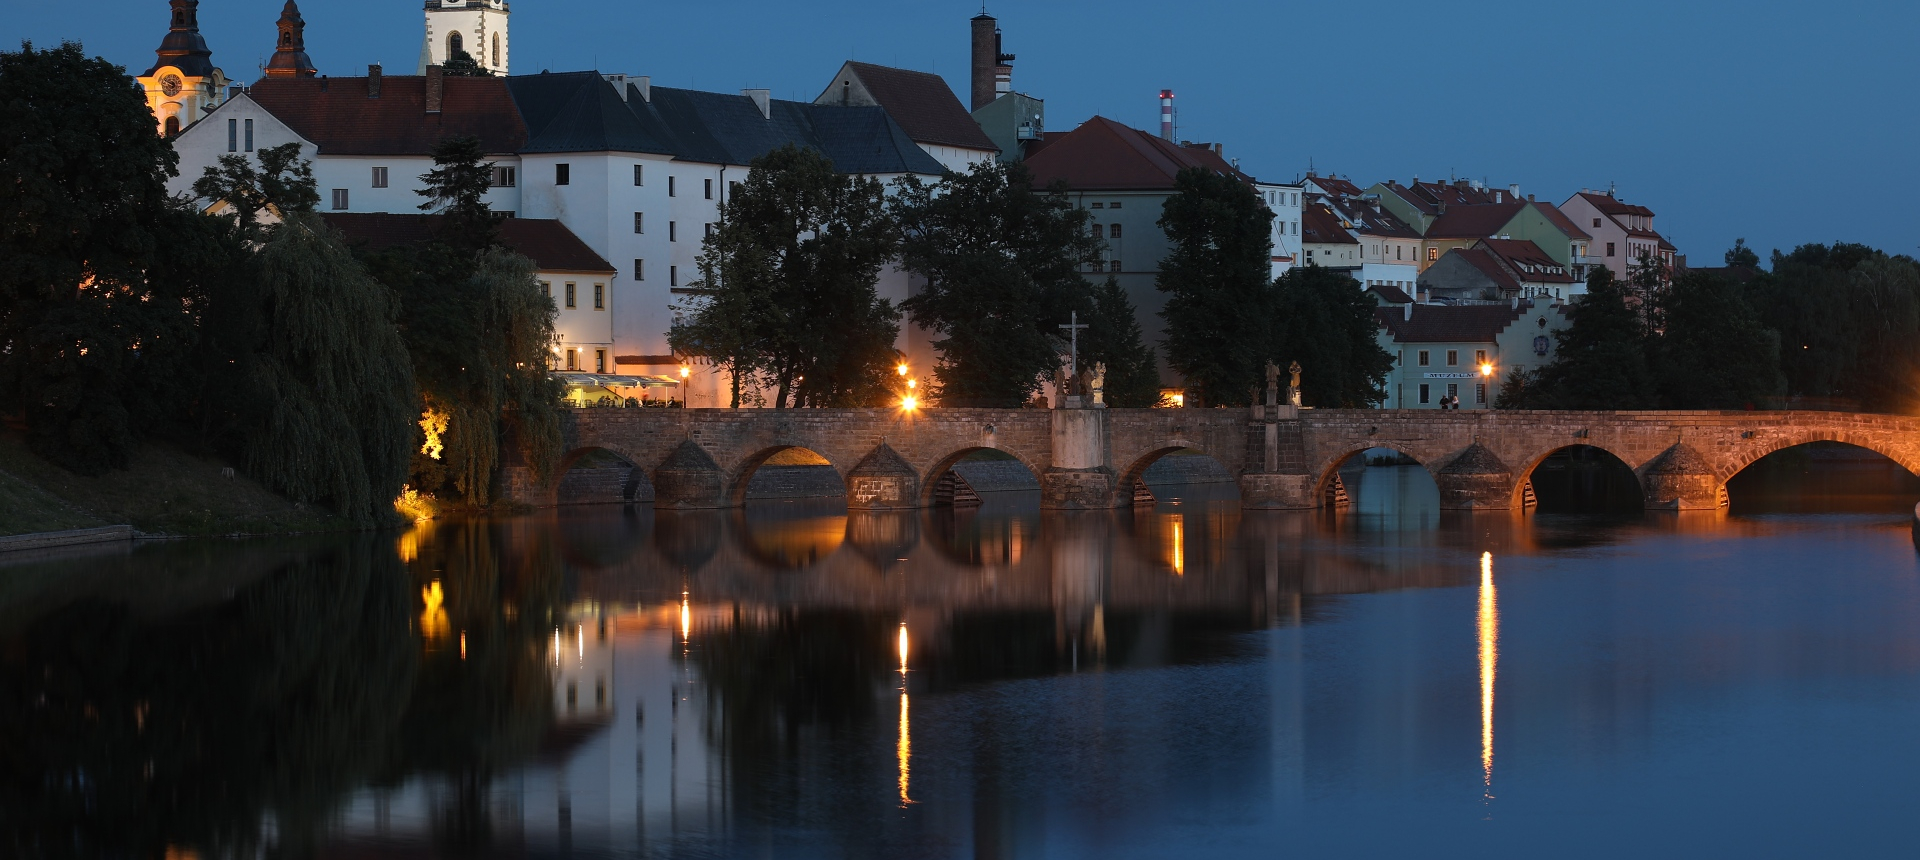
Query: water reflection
990, 681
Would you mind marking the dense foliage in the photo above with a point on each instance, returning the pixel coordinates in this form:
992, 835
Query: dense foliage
1849, 324
1217, 277
1113, 338
1001, 261
787, 285
1321, 319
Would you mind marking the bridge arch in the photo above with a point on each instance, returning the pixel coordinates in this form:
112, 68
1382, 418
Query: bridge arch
1739, 459
1329, 470
1523, 476
929, 483
632, 486
780, 455
1134, 474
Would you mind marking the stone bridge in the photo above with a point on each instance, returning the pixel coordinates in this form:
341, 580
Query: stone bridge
1284, 457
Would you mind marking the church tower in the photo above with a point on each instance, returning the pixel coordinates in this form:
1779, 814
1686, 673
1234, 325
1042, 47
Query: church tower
183, 84
477, 27
290, 58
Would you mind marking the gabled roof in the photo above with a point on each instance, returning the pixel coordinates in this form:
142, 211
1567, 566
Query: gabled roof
1488, 265
1526, 258
1608, 205
579, 112
1390, 294
1560, 220
1335, 186
1474, 221
1320, 226
1104, 155
1446, 323
921, 102
1368, 217
548, 243
717, 128
1430, 197
337, 115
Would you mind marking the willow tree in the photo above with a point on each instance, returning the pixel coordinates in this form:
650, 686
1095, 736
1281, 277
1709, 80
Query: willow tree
331, 379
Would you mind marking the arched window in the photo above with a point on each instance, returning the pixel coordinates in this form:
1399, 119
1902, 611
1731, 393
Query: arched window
454, 47
173, 126
496, 49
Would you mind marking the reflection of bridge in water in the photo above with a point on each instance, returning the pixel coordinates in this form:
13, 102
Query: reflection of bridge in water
1282, 458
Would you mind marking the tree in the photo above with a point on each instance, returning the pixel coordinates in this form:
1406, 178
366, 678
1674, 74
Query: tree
332, 382
456, 189
1741, 255
1113, 338
283, 185
1846, 318
1001, 262
463, 65
1218, 285
788, 285
1322, 319
1713, 352
1600, 361
82, 203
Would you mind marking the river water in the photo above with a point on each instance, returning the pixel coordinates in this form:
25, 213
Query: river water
1183, 679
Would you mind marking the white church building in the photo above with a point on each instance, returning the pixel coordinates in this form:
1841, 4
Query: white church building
637, 172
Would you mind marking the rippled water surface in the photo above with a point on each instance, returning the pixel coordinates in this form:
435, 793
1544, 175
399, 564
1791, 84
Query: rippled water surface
1183, 679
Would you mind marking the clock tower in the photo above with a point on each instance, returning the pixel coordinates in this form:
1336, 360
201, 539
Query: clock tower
183, 85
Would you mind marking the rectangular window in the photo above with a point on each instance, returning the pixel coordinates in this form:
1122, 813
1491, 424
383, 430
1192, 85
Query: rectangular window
1433, 254
709, 183
379, 177
1609, 249
1114, 231
673, 276
1479, 357
709, 229
570, 291
1114, 205
599, 361
1396, 251
249, 135
639, 269
1113, 266
1422, 358
506, 177
573, 359
1596, 222
339, 198
599, 297
639, 222
562, 174
673, 231
1453, 389
1098, 206
233, 135
1453, 357
1099, 232
1424, 393
1480, 392
547, 287
639, 174
670, 186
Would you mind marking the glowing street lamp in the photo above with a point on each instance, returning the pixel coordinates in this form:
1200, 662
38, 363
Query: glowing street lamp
685, 372
909, 403
1486, 370
901, 368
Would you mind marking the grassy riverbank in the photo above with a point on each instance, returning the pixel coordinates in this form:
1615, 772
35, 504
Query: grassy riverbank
164, 490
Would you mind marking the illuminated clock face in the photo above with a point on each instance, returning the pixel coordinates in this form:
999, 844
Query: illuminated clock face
170, 85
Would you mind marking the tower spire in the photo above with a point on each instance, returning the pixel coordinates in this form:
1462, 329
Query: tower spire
184, 48
290, 58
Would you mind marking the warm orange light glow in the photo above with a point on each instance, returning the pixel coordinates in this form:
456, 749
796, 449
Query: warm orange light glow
1179, 400
905, 751
686, 618
911, 383
901, 646
685, 371
1178, 549
580, 641
909, 403
463, 644
1489, 624
1486, 370
900, 369
433, 619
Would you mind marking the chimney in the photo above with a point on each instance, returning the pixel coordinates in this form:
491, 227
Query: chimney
373, 81
1513, 191
1407, 309
1166, 115
1216, 148
761, 99
986, 59
1529, 198
619, 83
435, 80
644, 84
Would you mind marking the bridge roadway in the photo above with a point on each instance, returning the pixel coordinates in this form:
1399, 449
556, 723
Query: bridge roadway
1285, 458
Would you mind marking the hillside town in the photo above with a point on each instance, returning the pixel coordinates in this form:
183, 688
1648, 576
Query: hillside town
613, 184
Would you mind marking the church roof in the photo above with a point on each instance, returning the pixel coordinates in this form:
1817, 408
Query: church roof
340, 119
548, 243
579, 112
184, 48
921, 102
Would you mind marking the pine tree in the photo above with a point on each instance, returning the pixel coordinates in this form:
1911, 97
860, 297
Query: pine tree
1218, 285
1113, 338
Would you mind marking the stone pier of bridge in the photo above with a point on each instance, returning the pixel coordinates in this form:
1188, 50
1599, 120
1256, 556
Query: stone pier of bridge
1284, 457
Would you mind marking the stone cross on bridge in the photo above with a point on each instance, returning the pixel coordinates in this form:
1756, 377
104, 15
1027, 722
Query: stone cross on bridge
1284, 457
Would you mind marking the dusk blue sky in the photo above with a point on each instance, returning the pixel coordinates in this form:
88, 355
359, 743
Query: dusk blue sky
1780, 122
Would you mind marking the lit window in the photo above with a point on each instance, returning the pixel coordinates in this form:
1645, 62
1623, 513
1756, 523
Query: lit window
1433, 254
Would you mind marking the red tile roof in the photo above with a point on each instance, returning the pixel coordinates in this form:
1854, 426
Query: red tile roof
336, 115
1608, 205
1391, 294
1320, 226
1103, 155
923, 105
1526, 258
1446, 323
1335, 186
1560, 220
1489, 265
1372, 219
548, 243
1474, 221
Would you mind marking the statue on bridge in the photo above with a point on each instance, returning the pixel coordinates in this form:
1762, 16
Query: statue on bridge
1097, 385
1293, 387
1273, 384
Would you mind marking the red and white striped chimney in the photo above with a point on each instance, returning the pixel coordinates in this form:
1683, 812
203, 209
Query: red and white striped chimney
1166, 114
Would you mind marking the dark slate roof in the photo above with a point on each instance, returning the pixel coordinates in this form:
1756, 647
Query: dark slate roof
548, 243
1320, 226
1525, 257
923, 105
1447, 323
337, 116
579, 112
717, 128
1103, 155
1391, 294
1370, 218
